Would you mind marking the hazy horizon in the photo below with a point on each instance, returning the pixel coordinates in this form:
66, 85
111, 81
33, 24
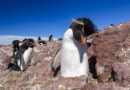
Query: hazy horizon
46, 17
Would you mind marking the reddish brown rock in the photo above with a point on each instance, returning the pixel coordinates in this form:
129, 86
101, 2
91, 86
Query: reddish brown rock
107, 44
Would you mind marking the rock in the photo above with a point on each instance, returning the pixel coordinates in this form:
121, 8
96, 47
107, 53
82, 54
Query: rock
107, 45
65, 84
61, 87
48, 58
122, 73
4, 60
7, 49
104, 86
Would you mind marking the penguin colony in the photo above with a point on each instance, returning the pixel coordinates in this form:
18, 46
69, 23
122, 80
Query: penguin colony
74, 57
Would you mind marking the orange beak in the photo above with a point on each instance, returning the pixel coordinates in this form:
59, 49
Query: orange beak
83, 40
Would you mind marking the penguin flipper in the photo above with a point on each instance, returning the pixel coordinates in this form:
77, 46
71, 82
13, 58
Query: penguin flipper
56, 61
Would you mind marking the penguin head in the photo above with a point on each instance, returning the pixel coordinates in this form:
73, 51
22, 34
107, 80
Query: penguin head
16, 44
31, 43
82, 27
28, 43
51, 36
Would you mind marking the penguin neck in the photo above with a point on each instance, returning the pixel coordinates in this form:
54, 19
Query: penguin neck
69, 39
68, 36
30, 48
28, 52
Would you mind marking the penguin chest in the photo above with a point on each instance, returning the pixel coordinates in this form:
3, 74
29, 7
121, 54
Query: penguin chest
74, 58
25, 59
74, 61
27, 55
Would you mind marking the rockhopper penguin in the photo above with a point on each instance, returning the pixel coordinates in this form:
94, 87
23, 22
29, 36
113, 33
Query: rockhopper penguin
23, 55
74, 57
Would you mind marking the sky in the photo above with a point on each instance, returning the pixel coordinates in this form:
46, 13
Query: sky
45, 17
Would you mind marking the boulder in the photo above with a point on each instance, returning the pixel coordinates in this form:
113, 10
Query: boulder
107, 46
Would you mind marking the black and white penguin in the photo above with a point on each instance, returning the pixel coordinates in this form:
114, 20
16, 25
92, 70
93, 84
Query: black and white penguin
23, 55
51, 38
41, 42
74, 57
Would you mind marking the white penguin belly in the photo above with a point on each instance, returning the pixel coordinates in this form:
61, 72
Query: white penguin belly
27, 55
73, 62
74, 59
26, 58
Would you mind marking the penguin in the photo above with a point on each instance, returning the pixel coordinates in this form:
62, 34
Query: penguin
41, 42
39, 38
74, 57
55, 65
50, 38
24, 53
60, 39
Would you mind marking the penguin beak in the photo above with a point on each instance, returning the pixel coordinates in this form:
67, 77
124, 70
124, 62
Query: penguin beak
83, 40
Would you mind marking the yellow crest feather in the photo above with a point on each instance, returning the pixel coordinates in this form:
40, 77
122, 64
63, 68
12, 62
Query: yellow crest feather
79, 22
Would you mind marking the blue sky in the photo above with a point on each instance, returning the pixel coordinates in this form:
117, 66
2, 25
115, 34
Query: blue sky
45, 17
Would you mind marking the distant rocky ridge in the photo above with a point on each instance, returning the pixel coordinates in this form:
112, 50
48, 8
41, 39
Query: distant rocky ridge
109, 65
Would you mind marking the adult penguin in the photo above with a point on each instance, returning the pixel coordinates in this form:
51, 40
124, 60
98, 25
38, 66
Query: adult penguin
23, 55
74, 58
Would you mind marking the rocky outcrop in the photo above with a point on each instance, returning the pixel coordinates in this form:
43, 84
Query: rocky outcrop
108, 46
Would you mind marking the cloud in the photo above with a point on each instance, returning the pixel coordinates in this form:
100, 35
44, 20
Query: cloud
7, 39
